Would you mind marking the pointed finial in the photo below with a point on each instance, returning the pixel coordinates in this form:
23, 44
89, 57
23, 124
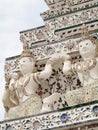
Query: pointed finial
85, 34
26, 51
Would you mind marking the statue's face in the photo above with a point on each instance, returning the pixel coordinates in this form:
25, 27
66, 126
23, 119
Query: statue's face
26, 65
87, 49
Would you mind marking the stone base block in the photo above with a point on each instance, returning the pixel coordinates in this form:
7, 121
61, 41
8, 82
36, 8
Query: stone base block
30, 107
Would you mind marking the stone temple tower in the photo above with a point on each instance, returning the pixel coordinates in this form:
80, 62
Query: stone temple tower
67, 23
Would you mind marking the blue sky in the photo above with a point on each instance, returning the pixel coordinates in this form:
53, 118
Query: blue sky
16, 16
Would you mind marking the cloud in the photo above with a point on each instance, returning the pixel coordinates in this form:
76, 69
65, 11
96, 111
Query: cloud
16, 16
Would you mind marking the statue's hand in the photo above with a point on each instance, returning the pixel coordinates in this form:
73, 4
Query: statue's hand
12, 85
46, 73
14, 76
57, 57
65, 56
67, 67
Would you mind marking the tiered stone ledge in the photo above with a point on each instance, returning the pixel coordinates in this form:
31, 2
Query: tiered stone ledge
64, 10
73, 118
75, 31
95, 4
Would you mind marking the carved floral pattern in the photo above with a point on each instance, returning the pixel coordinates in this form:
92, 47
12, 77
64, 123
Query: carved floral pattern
73, 19
64, 7
67, 1
78, 115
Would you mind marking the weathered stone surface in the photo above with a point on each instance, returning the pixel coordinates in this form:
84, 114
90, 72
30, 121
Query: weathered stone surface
31, 106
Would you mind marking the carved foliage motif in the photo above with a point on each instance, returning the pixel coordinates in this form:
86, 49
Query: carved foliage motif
33, 35
64, 7
67, 1
73, 19
75, 116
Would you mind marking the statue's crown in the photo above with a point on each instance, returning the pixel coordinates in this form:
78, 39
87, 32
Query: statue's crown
26, 51
85, 34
